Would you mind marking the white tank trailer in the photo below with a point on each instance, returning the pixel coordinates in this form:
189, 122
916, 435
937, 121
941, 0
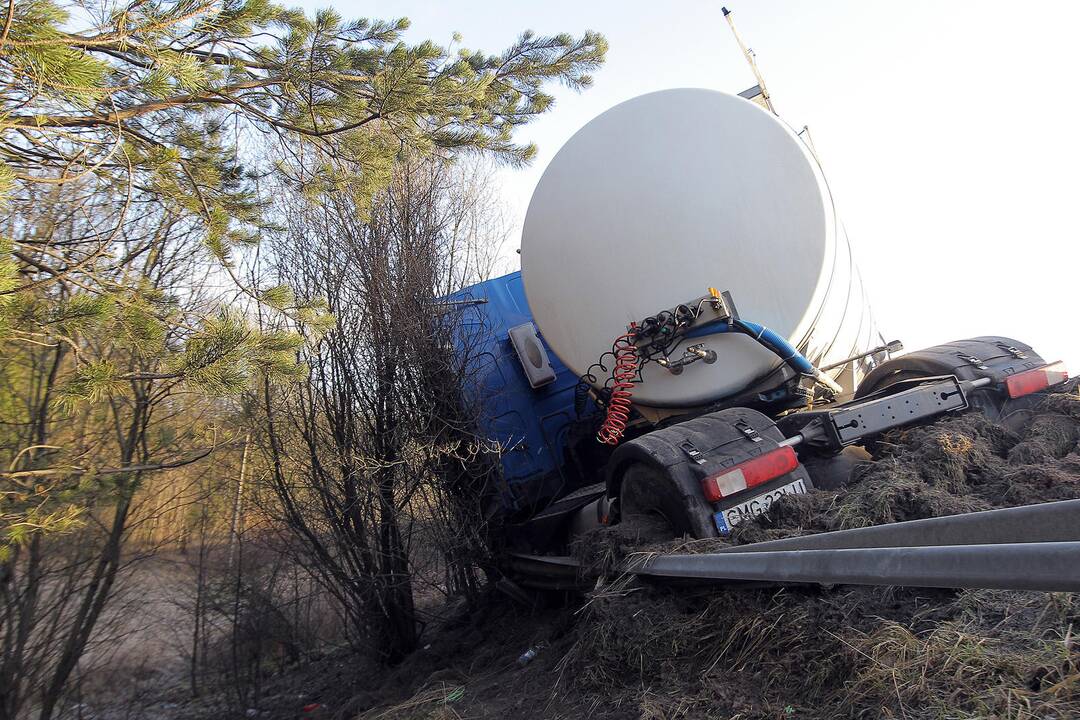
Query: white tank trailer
683, 257
672, 193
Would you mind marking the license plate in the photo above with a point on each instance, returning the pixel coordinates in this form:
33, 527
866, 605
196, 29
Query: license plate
727, 519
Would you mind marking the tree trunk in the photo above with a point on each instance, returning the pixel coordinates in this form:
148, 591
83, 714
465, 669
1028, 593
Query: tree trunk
238, 503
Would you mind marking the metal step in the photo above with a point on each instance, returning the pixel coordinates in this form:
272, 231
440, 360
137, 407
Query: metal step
581, 496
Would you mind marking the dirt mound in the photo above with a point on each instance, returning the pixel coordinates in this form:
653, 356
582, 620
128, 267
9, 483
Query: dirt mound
814, 653
861, 652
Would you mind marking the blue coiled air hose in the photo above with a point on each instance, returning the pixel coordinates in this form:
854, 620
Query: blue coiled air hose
773, 342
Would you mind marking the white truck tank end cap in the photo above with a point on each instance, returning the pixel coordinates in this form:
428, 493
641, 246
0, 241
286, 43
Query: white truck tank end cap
664, 196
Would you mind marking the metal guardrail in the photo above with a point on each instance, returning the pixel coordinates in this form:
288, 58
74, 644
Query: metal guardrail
1035, 547
1013, 566
1044, 522
547, 572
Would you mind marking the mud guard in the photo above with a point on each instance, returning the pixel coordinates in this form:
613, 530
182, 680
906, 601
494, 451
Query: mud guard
988, 356
679, 457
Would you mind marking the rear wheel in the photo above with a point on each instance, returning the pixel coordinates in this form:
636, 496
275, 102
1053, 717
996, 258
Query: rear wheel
648, 506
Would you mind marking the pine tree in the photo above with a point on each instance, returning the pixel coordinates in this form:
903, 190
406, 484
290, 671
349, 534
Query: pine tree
137, 143
124, 124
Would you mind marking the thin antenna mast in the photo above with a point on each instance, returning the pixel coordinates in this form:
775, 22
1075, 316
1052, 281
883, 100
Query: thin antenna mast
749, 55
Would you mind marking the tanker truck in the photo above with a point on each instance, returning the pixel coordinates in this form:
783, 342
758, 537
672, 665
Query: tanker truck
689, 338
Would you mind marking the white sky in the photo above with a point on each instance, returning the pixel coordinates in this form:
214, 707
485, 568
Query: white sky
946, 129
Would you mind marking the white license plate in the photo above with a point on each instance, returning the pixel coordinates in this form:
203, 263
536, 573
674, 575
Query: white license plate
727, 519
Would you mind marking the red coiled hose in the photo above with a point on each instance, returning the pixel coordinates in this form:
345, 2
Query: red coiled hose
623, 377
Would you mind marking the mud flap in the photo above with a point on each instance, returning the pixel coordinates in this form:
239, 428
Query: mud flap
988, 356
665, 468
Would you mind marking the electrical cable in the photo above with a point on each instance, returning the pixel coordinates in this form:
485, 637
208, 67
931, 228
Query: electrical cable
624, 376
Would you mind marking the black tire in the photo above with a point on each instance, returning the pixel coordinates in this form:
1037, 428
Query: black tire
647, 502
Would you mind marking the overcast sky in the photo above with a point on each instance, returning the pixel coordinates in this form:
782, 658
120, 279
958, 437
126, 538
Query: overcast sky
946, 130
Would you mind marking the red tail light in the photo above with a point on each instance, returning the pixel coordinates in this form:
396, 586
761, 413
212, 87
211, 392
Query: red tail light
1035, 380
748, 474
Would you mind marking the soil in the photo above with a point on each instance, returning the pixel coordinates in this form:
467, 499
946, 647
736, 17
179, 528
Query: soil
634, 650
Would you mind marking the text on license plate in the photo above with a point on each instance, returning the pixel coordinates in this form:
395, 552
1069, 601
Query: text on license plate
727, 519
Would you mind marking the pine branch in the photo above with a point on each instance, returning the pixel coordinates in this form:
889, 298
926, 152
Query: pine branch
216, 97
75, 470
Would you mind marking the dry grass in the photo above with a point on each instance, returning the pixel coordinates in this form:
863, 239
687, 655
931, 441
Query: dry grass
853, 653
961, 669
432, 703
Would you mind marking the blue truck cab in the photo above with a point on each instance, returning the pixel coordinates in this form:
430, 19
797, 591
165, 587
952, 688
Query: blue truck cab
523, 396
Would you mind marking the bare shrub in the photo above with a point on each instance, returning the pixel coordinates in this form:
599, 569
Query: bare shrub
376, 451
